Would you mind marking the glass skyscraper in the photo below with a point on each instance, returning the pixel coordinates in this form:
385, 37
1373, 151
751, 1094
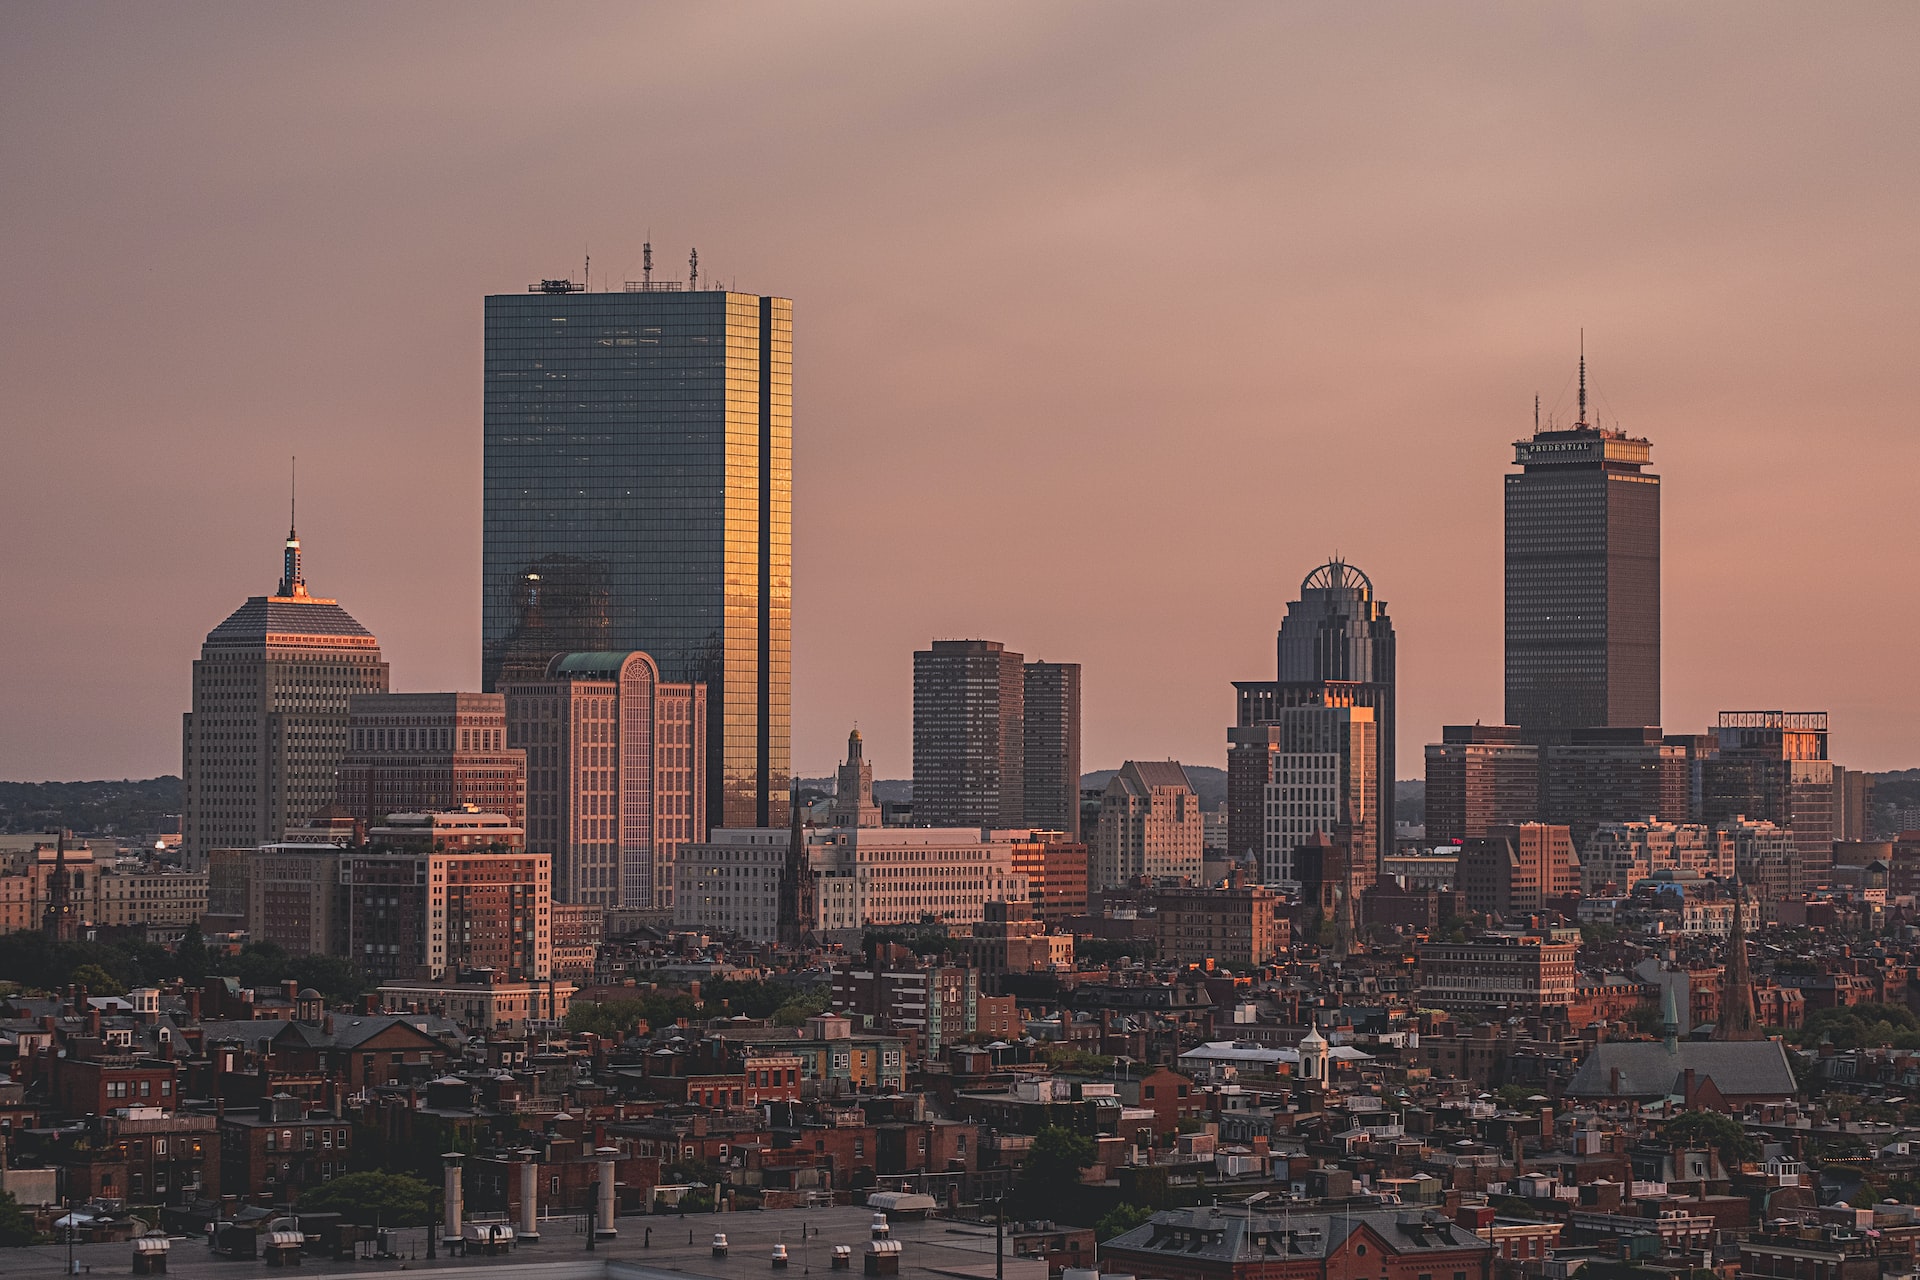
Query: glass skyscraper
1583, 582
638, 495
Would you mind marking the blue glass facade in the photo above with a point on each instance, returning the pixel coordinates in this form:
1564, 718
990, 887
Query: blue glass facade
638, 495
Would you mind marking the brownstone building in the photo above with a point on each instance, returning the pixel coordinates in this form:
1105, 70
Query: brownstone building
271, 1156
1240, 925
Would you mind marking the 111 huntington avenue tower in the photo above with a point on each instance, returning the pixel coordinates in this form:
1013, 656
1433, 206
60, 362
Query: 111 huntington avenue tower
1583, 581
638, 496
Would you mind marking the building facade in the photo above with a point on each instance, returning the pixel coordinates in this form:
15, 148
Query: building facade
1618, 855
1773, 766
1051, 746
639, 496
1335, 648
1238, 925
420, 752
1150, 825
862, 876
1582, 581
1613, 775
268, 727
615, 774
1480, 776
1518, 870
1320, 779
1056, 871
969, 735
1525, 974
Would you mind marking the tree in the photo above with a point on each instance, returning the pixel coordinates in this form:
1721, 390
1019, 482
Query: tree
1711, 1129
97, 981
388, 1199
795, 1012
1052, 1169
16, 1227
1119, 1220
191, 955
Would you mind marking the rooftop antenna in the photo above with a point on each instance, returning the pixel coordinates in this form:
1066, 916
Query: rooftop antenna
693, 271
1583, 377
1536, 413
293, 491
646, 265
587, 271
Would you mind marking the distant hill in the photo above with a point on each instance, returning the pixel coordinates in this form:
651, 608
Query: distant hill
1410, 801
90, 808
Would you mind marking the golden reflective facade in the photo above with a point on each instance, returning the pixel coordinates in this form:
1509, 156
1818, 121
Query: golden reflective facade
639, 495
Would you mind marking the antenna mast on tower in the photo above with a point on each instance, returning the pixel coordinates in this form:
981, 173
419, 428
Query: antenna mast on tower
693, 271
1583, 377
646, 265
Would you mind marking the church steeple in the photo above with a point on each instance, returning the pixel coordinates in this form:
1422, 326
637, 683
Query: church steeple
1737, 1018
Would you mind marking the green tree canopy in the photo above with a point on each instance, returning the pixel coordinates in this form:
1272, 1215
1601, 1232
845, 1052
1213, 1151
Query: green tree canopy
98, 981
16, 1225
373, 1198
1711, 1129
1119, 1220
1052, 1170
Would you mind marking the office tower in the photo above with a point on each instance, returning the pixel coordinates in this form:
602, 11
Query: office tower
1480, 776
1773, 766
969, 735
1052, 746
419, 752
1612, 775
616, 760
269, 721
1583, 581
1150, 825
1854, 790
1320, 763
638, 496
853, 804
1518, 870
1335, 648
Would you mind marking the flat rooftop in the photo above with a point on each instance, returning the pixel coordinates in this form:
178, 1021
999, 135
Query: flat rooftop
934, 1247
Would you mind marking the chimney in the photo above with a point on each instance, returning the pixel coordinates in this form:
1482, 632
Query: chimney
193, 1004
290, 988
93, 1022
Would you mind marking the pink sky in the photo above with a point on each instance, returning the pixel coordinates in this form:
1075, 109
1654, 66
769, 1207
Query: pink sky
1111, 322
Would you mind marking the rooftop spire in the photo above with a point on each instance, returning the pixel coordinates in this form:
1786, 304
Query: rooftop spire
1583, 377
292, 582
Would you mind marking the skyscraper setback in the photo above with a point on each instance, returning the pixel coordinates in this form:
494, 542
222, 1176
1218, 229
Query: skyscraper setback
1582, 581
638, 496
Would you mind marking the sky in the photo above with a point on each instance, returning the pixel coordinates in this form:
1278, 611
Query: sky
1111, 322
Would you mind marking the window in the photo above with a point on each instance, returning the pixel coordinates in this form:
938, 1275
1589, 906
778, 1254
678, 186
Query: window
1146, 1091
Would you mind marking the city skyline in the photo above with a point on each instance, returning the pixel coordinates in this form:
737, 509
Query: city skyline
1434, 277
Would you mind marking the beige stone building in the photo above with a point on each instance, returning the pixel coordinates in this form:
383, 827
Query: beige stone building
130, 895
1150, 825
268, 727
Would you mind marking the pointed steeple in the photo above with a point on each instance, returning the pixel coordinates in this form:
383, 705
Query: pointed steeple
1737, 1020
